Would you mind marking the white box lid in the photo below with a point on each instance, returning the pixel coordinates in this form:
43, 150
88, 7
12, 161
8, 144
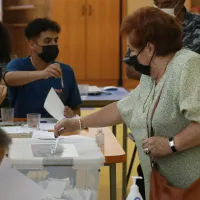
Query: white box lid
35, 153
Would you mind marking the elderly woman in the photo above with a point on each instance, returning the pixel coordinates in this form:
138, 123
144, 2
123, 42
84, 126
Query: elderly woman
163, 112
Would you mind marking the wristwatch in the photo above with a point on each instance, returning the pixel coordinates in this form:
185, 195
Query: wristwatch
172, 144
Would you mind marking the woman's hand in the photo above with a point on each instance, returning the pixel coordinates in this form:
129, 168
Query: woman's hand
66, 125
3, 92
157, 146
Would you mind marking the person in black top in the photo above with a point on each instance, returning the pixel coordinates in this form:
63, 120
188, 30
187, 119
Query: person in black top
5, 57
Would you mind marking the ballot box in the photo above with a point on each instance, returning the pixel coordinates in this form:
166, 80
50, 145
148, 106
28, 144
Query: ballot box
69, 173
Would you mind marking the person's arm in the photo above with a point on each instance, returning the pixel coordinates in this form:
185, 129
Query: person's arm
19, 78
113, 114
107, 116
189, 99
188, 138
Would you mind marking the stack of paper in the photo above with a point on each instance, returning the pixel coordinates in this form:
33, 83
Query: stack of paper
47, 126
17, 131
43, 135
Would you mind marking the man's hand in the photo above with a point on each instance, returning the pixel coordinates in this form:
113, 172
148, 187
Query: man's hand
53, 70
68, 112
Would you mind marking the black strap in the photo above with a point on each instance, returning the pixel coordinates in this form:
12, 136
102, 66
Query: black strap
153, 163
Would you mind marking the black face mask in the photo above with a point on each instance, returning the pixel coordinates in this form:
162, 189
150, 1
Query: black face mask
49, 53
143, 69
127, 58
133, 61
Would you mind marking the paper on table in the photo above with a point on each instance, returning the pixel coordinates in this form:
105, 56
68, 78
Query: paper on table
43, 127
11, 189
43, 135
54, 105
47, 126
16, 129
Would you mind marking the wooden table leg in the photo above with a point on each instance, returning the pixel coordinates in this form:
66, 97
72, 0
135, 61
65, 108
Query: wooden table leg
113, 184
124, 168
114, 130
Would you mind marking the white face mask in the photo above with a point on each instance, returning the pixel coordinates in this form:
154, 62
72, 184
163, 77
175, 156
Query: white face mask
169, 11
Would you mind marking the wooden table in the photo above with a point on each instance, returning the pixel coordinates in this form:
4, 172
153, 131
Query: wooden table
113, 153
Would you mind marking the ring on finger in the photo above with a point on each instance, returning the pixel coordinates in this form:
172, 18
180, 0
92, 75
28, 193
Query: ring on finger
147, 151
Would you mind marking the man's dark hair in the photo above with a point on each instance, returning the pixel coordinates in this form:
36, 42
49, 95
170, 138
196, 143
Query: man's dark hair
39, 25
5, 47
5, 140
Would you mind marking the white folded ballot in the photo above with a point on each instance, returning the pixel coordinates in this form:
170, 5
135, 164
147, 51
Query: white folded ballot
14, 185
54, 106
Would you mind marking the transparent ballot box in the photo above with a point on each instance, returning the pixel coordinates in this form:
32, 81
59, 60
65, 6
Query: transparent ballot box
69, 173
